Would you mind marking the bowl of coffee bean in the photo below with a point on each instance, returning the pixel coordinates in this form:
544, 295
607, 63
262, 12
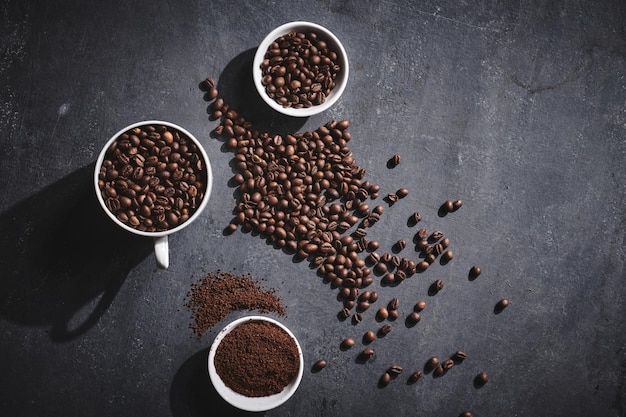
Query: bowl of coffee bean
255, 363
153, 178
300, 69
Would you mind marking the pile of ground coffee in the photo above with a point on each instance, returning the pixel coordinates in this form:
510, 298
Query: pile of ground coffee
216, 295
257, 359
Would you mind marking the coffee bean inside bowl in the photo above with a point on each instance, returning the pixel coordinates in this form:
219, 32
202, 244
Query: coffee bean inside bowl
299, 70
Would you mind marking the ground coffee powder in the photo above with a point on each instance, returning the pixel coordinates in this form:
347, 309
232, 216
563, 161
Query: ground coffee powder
213, 297
257, 358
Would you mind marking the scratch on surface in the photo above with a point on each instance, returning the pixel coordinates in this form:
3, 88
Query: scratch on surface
573, 75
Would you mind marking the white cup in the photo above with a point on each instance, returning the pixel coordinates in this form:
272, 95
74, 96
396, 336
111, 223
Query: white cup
161, 245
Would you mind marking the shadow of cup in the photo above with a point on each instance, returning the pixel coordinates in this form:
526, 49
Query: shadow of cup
62, 261
160, 238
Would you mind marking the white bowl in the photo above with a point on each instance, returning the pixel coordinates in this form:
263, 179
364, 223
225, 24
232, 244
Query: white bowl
243, 402
334, 43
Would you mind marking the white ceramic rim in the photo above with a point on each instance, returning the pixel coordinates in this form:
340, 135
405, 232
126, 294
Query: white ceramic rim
203, 203
252, 403
341, 81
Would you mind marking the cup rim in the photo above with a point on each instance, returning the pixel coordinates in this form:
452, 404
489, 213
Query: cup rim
203, 203
336, 92
254, 404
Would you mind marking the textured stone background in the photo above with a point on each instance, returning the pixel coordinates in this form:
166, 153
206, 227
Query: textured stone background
517, 107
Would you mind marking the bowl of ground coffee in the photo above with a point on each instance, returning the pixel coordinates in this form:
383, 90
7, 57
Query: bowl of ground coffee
255, 363
300, 69
153, 178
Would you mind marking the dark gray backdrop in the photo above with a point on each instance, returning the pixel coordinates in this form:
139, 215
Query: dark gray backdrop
515, 107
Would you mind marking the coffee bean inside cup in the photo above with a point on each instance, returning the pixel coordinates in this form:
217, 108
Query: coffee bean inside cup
153, 178
299, 69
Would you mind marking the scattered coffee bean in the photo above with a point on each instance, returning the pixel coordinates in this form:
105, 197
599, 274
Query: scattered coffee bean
445, 242
372, 245
414, 377
422, 266
402, 192
395, 370
369, 336
382, 313
447, 256
448, 364
419, 306
380, 268
400, 244
373, 297
481, 379
438, 371
414, 317
394, 161
456, 205
459, 356
501, 305
347, 343
357, 318
386, 329
436, 236
474, 272
367, 353
466, 414
431, 364
438, 285
394, 304
392, 197
384, 380
393, 315
389, 278
345, 313
447, 206
319, 365
422, 234
362, 306
415, 218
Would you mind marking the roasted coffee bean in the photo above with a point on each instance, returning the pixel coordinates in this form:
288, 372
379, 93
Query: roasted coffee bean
422, 245
422, 266
474, 272
415, 218
386, 329
378, 210
459, 356
419, 306
447, 364
369, 336
384, 380
347, 343
456, 205
392, 197
345, 313
367, 353
386, 257
394, 370
362, 306
394, 304
414, 317
393, 315
389, 278
373, 297
400, 244
402, 192
438, 371
357, 318
364, 296
372, 245
445, 242
382, 313
431, 364
373, 258
466, 414
414, 377
447, 206
501, 305
394, 161
319, 365
438, 285
422, 234
481, 379
436, 236
447, 256
400, 276
380, 268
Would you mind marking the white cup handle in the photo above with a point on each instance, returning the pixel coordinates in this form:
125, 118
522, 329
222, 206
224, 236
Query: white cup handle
162, 252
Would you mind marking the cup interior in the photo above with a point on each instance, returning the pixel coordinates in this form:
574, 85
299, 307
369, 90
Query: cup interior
208, 180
